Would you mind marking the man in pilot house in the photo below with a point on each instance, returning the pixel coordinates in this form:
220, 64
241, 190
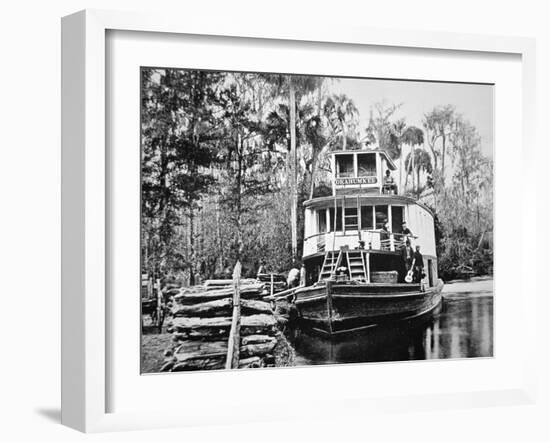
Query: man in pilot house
389, 184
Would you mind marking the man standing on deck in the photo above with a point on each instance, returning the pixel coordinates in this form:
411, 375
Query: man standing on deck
407, 253
418, 264
405, 232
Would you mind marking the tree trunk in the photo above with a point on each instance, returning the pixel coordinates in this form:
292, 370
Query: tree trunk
443, 149
191, 247
316, 149
344, 136
409, 168
313, 164
293, 167
401, 169
413, 170
418, 181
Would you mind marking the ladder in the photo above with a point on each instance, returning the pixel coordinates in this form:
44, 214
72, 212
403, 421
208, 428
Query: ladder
355, 260
356, 265
331, 262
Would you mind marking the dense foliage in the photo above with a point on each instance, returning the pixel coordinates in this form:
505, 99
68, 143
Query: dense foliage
228, 159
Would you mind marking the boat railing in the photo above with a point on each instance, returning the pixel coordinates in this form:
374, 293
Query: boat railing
373, 239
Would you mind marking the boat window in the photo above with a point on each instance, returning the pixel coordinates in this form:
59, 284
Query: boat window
321, 221
344, 166
338, 219
381, 216
350, 218
366, 218
366, 164
396, 219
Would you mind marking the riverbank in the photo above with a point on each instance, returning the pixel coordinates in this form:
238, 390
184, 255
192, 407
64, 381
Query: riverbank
477, 286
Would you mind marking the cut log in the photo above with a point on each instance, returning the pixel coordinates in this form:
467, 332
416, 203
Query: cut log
192, 297
200, 364
217, 328
194, 350
216, 283
253, 306
220, 307
257, 339
218, 349
257, 349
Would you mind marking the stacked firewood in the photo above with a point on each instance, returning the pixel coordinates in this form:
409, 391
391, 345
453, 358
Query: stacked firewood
201, 323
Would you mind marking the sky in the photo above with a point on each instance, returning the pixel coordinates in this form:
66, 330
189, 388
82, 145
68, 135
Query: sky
473, 101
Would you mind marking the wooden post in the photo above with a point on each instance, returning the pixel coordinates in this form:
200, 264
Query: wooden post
328, 292
271, 290
368, 267
234, 342
332, 267
344, 214
358, 219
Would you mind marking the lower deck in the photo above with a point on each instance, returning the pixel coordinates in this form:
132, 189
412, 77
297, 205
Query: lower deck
367, 266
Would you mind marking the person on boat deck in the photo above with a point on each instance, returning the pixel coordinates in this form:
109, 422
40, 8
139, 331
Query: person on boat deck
385, 234
303, 275
418, 269
389, 183
293, 278
405, 232
407, 253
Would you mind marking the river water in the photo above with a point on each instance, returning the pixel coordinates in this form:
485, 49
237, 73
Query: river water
462, 328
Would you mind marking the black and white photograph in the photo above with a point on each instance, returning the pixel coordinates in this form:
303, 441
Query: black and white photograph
232, 221
295, 220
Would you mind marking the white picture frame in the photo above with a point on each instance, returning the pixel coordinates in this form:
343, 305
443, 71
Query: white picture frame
85, 211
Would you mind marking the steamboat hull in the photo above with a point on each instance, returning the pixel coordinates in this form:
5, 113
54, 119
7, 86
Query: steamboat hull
337, 308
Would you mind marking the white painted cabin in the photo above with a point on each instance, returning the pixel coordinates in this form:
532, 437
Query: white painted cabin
359, 207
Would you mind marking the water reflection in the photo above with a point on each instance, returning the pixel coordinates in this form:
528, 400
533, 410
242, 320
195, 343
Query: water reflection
463, 328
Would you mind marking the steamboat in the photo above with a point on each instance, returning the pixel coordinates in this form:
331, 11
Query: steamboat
357, 246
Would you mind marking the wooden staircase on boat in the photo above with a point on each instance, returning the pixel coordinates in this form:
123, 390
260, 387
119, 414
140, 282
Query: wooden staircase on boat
356, 265
356, 262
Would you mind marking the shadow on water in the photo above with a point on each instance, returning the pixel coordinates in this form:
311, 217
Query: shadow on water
463, 328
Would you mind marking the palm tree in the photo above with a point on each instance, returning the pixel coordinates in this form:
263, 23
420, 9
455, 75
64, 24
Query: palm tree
342, 113
398, 130
413, 136
418, 160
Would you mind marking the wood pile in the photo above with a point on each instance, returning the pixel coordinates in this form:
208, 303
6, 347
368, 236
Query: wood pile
201, 324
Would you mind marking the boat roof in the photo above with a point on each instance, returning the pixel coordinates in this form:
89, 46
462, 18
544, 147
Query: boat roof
382, 152
374, 199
